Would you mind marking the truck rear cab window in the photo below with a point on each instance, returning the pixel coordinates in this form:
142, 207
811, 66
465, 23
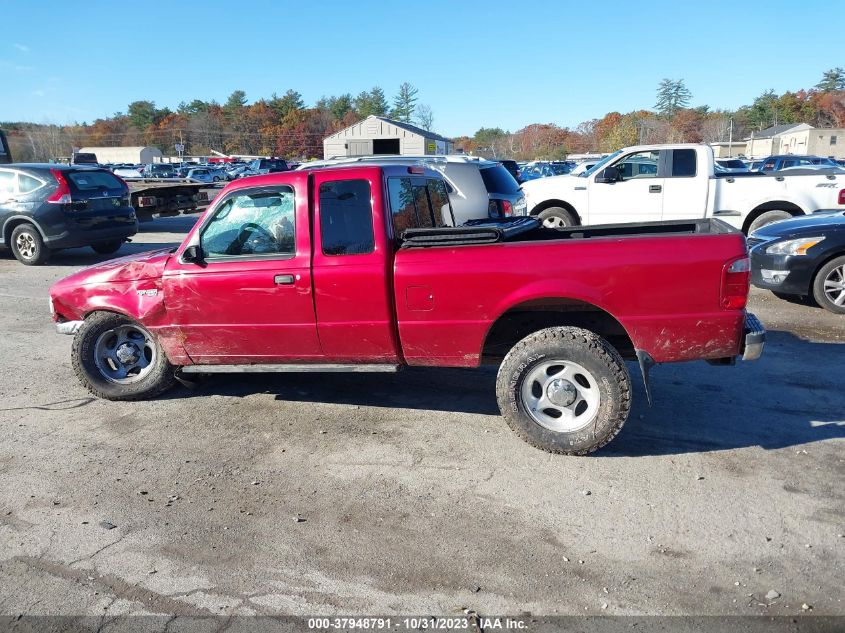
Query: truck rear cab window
346, 217
252, 224
418, 203
683, 163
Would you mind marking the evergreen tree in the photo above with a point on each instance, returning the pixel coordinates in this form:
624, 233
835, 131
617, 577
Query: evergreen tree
833, 79
404, 103
672, 95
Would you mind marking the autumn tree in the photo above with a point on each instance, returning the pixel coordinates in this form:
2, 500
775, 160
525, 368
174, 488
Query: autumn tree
672, 95
404, 103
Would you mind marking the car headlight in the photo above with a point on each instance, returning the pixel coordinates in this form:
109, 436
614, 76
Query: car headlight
799, 246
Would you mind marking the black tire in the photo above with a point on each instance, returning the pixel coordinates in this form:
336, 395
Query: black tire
107, 248
159, 378
28, 246
557, 218
767, 218
833, 272
573, 345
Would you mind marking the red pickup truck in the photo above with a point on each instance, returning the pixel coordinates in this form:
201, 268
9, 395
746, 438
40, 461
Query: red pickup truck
357, 269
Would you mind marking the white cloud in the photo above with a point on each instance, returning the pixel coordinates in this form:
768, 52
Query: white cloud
23, 48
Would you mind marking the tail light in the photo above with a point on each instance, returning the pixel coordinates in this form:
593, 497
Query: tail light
147, 201
736, 281
62, 193
842, 196
499, 209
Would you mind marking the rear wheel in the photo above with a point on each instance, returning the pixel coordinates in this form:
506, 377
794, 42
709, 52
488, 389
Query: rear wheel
829, 286
28, 246
767, 218
556, 218
564, 390
118, 359
107, 248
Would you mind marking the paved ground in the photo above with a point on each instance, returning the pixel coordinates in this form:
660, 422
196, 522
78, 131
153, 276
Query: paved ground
416, 498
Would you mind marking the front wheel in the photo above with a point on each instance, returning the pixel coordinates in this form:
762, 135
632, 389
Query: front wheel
829, 286
556, 218
118, 359
564, 390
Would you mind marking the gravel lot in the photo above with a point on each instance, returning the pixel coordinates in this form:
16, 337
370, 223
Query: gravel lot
320, 494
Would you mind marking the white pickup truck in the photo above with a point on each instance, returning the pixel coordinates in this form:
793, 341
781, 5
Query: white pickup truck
647, 183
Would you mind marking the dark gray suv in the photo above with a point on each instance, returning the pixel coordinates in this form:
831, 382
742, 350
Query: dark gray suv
45, 207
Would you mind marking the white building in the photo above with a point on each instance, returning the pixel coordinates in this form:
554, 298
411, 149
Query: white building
380, 135
132, 155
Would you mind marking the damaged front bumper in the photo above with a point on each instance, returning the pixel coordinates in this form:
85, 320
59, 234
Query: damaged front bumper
754, 339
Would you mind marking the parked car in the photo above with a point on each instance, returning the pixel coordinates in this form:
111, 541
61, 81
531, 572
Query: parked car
513, 169
159, 170
126, 172
777, 163
84, 158
544, 169
646, 183
46, 207
268, 165
272, 278
583, 166
731, 165
803, 257
201, 174
478, 188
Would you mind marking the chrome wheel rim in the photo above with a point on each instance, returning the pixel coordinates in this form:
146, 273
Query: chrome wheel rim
561, 396
834, 286
125, 354
25, 243
554, 222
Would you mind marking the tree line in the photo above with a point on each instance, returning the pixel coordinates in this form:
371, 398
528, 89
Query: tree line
283, 125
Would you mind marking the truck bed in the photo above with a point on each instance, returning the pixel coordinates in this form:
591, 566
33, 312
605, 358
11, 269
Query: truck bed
530, 230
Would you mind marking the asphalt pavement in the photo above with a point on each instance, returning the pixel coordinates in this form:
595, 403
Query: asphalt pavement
389, 494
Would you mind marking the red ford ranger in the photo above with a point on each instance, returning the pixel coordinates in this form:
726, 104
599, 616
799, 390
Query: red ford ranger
358, 269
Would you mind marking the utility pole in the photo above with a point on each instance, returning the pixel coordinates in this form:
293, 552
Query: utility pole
731, 139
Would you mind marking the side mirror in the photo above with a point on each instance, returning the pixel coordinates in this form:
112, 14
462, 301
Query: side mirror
192, 255
609, 175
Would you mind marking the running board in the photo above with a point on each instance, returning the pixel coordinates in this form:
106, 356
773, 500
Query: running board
291, 368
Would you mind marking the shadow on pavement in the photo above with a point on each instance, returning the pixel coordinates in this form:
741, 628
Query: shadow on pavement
791, 396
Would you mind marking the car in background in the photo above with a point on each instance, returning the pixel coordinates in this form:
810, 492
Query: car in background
202, 174
584, 166
84, 158
802, 257
753, 165
544, 169
159, 170
268, 165
513, 169
126, 172
780, 162
478, 188
731, 165
45, 207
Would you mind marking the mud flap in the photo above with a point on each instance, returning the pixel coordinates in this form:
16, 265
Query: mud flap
646, 363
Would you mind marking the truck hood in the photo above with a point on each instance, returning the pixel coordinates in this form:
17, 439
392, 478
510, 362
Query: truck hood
138, 267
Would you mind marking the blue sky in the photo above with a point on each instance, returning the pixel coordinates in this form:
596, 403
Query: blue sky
476, 63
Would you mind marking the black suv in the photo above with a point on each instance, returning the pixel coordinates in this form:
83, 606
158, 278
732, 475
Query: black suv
269, 165
45, 207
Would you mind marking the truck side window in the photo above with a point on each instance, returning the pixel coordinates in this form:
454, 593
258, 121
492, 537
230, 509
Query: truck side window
346, 217
252, 224
639, 165
683, 163
440, 203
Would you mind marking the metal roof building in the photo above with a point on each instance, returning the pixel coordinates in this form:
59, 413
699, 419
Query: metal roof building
380, 135
123, 154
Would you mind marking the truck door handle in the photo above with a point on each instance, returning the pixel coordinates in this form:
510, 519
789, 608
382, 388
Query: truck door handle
655, 188
283, 280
